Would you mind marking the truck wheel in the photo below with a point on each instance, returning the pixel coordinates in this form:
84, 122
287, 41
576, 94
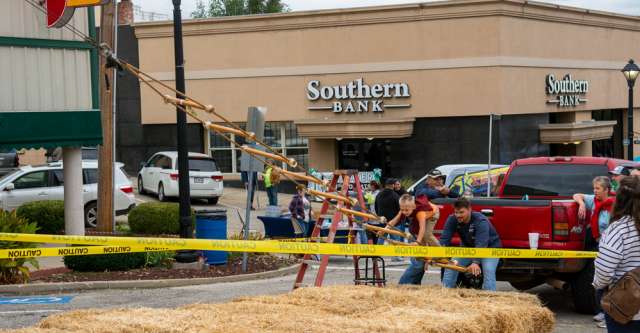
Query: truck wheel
582, 292
526, 285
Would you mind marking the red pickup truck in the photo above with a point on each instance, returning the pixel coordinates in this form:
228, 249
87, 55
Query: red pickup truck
536, 196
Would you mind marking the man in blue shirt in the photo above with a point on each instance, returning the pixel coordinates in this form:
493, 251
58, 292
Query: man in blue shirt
434, 187
474, 230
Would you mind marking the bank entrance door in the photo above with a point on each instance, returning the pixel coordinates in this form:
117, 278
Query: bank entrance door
612, 147
365, 155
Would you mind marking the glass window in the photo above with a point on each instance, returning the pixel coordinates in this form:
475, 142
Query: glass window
223, 159
202, 164
32, 180
299, 154
58, 178
227, 157
552, 179
89, 153
164, 163
90, 176
152, 162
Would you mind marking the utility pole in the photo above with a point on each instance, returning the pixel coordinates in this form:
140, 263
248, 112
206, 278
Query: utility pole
105, 151
186, 225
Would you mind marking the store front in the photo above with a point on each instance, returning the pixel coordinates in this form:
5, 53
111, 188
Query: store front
414, 85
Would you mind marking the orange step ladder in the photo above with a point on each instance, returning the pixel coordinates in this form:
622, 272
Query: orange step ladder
345, 176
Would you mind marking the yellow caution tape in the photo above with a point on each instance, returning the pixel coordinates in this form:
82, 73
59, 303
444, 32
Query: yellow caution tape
290, 247
74, 251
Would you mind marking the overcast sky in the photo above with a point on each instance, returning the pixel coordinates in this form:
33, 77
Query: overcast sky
629, 7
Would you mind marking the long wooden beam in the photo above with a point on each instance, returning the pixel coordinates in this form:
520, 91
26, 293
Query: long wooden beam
290, 161
330, 196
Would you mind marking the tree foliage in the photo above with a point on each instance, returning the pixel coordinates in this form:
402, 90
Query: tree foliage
215, 8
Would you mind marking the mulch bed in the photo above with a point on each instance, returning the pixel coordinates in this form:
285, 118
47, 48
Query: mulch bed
255, 264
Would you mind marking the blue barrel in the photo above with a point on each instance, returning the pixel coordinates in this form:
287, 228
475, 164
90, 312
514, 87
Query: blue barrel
212, 224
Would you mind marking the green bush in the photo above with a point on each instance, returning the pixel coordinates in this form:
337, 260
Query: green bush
106, 262
14, 270
155, 218
48, 215
160, 259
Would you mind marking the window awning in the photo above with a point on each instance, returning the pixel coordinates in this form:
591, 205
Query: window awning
575, 132
374, 128
50, 129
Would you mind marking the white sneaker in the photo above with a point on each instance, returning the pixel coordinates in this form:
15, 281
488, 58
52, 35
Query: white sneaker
599, 316
601, 324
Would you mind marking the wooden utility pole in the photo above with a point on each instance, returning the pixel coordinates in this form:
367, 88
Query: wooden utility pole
105, 151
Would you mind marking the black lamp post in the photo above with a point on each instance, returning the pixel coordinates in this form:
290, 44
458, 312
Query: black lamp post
630, 72
186, 225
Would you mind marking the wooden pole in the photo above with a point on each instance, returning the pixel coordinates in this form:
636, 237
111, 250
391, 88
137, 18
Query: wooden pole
105, 151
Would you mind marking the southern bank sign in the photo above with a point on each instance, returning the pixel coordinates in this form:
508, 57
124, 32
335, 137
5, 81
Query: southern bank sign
566, 92
357, 96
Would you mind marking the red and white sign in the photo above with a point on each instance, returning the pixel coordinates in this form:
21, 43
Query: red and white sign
60, 12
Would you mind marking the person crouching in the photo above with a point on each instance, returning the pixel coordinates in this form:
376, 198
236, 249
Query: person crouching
474, 230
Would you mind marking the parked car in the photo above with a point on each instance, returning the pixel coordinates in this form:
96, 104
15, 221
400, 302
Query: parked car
46, 182
9, 160
454, 172
536, 197
159, 175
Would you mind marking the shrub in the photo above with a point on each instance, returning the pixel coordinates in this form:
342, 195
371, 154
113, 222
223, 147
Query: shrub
160, 259
48, 215
106, 262
14, 270
155, 218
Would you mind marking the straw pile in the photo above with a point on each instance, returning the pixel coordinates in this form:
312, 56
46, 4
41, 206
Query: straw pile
328, 309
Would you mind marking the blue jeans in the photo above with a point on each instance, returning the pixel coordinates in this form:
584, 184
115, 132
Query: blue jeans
414, 273
489, 266
615, 327
400, 227
272, 193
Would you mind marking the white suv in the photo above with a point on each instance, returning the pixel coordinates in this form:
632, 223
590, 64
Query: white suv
159, 175
46, 182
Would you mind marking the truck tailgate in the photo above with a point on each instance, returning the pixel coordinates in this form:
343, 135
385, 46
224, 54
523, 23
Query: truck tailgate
513, 219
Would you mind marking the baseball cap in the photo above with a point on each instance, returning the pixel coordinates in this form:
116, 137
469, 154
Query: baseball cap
390, 181
620, 170
435, 173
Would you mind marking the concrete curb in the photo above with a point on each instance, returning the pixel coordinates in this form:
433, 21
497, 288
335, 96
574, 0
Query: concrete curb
39, 288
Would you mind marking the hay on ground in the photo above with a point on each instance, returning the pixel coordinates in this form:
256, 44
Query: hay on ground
329, 309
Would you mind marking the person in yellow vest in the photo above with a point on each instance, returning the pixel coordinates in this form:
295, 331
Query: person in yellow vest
271, 179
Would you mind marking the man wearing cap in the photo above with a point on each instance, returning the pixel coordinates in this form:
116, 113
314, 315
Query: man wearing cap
617, 174
434, 186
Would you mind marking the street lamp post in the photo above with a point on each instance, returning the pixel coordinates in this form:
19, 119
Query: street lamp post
186, 226
630, 72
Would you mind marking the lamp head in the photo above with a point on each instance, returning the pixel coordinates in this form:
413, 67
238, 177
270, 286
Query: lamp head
631, 71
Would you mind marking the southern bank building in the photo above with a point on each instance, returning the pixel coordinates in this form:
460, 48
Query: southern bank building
405, 88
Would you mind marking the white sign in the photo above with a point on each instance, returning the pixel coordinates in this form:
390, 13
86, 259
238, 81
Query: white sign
365, 178
566, 92
357, 96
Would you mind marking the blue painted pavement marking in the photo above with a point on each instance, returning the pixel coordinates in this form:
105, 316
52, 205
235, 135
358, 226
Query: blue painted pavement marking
36, 300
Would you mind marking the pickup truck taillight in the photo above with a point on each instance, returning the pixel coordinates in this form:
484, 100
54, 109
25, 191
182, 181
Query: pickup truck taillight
217, 178
560, 223
174, 176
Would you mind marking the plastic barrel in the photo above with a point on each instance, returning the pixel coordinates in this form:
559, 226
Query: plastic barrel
212, 224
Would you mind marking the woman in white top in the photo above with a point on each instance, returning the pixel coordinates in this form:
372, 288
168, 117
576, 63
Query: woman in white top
619, 250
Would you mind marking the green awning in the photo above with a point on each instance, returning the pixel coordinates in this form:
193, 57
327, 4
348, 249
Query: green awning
50, 129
